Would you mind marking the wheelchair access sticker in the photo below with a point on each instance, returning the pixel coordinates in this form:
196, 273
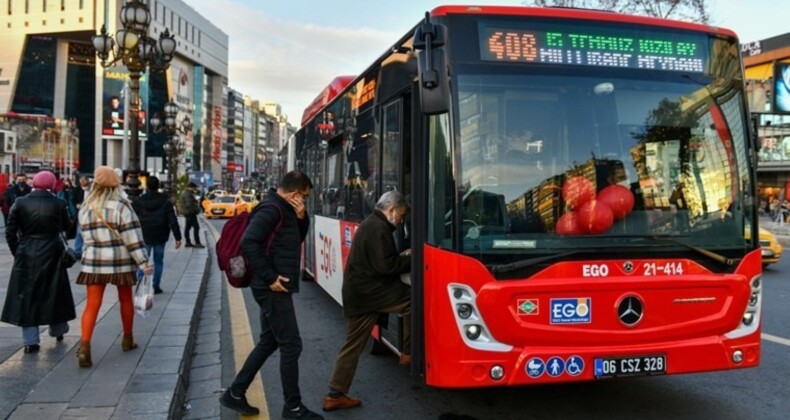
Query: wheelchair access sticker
571, 311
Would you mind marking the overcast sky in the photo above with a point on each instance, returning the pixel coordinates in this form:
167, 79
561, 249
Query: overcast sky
288, 51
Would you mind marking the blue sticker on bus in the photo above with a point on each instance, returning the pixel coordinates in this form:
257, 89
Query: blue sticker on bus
555, 366
535, 367
571, 311
574, 365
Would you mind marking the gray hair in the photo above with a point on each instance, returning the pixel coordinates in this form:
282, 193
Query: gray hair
391, 198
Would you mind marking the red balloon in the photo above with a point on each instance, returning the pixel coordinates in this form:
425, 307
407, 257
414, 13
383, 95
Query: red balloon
619, 198
595, 217
568, 224
577, 191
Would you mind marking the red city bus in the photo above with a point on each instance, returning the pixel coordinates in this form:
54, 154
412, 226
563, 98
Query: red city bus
582, 188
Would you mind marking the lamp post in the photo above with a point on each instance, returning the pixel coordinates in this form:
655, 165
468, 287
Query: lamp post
173, 147
137, 51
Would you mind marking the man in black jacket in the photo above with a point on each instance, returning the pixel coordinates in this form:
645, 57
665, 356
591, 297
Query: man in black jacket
14, 191
371, 286
157, 219
273, 245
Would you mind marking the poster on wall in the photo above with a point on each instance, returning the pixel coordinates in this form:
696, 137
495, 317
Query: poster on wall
114, 103
32, 143
782, 87
181, 90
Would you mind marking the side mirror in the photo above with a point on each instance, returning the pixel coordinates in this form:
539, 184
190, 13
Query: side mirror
429, 38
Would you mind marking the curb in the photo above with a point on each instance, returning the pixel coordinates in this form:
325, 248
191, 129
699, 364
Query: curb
182, 384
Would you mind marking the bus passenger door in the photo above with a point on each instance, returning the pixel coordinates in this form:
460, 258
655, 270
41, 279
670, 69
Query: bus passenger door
396, 176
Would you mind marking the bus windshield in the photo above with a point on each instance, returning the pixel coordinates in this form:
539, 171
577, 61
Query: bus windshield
673, 143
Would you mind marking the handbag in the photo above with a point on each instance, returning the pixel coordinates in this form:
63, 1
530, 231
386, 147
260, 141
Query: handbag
144, 295
70, 256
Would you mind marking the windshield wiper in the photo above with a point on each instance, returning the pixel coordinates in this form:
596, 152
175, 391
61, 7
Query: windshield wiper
517, 265
710, 254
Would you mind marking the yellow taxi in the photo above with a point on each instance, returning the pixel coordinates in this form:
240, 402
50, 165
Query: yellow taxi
772, 249
223, 206
249, 202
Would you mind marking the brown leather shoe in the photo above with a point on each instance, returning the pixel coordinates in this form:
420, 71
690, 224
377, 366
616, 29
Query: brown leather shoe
84, 354
128, 342
405, 360
343, 401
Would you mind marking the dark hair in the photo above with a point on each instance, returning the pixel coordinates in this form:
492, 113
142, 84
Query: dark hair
153, 183
191, 185
295, 181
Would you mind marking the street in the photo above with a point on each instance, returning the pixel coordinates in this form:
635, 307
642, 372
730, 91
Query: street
388, 391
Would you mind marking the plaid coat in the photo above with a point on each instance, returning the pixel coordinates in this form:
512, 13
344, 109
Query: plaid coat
105, 252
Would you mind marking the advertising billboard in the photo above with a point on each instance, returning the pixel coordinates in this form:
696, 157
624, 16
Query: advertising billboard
114, 103
782, 88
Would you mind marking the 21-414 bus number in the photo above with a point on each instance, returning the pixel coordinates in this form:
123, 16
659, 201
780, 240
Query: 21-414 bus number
665, 269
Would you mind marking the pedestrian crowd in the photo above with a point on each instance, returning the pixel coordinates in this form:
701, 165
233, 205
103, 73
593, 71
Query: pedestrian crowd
119, 241
116, 241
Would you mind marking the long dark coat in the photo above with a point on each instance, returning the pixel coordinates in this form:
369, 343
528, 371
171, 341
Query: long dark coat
372, 277
38, 292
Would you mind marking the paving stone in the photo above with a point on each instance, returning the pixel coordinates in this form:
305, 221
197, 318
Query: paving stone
88, 413
151, 383
144, 403
208, 347
203, 408
39, 411
205, 373
202, 389
206, 359
168, 340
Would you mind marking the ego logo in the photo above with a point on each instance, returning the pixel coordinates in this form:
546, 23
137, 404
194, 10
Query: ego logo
571, 311
327, 255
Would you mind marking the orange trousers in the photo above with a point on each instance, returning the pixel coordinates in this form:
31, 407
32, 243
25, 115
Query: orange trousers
95, 297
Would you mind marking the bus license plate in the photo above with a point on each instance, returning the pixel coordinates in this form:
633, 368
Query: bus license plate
630, 366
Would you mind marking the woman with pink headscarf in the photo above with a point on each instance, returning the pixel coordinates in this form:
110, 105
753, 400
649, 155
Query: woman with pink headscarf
39, 292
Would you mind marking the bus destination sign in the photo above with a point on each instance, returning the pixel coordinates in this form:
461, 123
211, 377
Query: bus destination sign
595, 47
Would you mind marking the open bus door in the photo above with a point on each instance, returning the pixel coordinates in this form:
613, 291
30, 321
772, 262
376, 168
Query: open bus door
396, 175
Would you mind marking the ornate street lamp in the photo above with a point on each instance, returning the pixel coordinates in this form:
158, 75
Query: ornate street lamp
137, 51
173, 147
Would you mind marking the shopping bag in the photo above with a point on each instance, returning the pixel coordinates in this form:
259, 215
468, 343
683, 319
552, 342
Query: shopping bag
144, 296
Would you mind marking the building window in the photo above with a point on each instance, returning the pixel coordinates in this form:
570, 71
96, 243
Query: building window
199, 37
9, 9
44, 2
62, 21
156, 11
27, 7
62, 5
193, 34
81, 1
43, 23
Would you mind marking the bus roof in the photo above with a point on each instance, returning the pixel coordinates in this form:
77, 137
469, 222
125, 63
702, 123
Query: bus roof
575, 13
326, 96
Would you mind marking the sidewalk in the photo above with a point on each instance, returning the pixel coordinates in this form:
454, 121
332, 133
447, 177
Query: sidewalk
149, 382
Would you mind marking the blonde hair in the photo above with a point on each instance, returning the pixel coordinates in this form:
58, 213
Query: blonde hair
99, 195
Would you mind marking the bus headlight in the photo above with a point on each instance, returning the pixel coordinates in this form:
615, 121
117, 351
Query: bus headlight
464, 310
473, 332
754, 298
472, 327
748, 318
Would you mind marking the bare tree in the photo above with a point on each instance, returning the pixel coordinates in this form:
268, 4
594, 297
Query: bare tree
688, 10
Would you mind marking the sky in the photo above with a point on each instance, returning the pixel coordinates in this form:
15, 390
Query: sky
288, 51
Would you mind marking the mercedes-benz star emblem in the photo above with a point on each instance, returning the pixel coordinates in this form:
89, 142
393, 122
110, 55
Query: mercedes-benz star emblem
628, 267
630, 311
